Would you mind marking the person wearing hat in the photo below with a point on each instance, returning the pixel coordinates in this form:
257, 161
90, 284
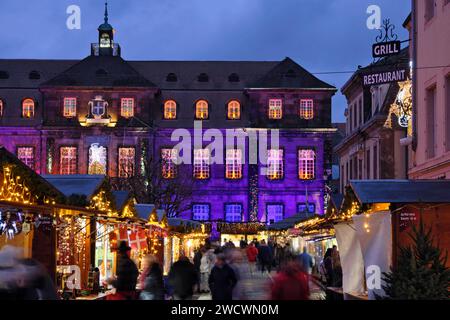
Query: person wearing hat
126, 275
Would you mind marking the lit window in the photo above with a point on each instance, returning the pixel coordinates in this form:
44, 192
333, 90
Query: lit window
306, 164
170, 110
70, 107
127, 107
26, 155
233, 212
201, 163
200, 211
275, 168
1, 108
234, 110
126, 162
275, 108
28, 108
306, 109
275, 212
201, 110
68, 160
97, 159
168, 165
233, 169
301, 208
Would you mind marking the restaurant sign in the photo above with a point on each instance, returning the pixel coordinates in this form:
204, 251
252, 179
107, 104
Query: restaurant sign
381, 77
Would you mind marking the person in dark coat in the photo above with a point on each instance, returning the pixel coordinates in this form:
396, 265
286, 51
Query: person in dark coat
151, 280
126, 275
328, 266
243, 244
265, 257
197, 262
183, 277
222, 280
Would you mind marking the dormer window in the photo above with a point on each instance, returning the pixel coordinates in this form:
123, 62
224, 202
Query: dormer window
234, 77
127, 107
290, 73
171, 77
275, 109
34, 75
4, 74
203, 77
101, 73
70, 107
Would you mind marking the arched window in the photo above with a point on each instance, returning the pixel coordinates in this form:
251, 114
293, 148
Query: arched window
170, 110
234, 110
201, 110
203, 77
28, 108
1, 108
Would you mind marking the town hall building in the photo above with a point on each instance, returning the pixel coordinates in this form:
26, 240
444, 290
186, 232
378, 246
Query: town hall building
107, 115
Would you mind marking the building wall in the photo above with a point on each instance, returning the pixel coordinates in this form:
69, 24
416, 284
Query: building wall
432, 158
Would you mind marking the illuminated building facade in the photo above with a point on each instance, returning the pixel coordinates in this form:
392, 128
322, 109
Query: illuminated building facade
105, 115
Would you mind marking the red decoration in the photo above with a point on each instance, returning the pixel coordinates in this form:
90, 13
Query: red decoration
138, 240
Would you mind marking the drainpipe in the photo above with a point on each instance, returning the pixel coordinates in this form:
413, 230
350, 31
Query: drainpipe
414, 76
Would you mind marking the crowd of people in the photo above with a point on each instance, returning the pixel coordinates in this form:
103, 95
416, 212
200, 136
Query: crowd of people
218, 269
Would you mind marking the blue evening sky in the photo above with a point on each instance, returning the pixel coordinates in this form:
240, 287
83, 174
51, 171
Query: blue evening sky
321, 35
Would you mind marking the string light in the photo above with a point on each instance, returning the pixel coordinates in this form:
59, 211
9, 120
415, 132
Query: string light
14, 190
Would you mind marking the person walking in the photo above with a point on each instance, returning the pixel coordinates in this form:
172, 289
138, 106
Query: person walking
197, 261
252, 254
126, 275
265, 257
207, 263
328, 267
305, 261
222, 280
243, 244
151, 280
291, 283
183, 278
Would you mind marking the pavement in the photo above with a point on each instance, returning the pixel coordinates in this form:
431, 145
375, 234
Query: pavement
257, 287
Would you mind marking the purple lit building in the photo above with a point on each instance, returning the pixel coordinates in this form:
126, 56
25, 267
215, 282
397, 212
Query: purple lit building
104, 115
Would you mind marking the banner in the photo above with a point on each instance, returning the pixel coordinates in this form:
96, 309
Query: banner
351, 258
375, 237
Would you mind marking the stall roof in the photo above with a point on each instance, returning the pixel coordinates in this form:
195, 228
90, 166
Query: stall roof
79, 184
144, 210
337, 199
401, 191
289, 222
178, 222
121, 198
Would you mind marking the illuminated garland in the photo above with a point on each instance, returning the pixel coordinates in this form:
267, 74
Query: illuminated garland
12, 189
101, 202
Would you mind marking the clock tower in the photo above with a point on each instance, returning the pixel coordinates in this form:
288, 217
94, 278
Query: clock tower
106, 36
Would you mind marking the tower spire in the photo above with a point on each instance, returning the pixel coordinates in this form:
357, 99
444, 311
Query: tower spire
106, 11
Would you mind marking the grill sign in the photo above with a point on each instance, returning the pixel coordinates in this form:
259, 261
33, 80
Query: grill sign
376, 78
385, 49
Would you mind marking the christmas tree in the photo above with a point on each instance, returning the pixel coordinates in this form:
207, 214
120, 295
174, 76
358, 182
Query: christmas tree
420, 273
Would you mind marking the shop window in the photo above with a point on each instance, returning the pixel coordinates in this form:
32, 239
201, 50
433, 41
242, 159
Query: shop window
306, 209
